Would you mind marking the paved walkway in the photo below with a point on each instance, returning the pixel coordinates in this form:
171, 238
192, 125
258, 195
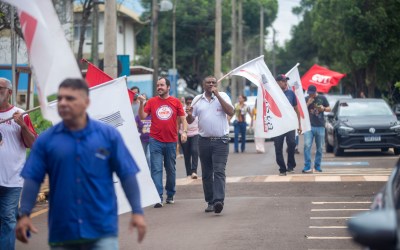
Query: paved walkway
329, 175
293, 178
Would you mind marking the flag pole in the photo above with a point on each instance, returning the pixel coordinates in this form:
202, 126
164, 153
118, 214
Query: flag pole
230, 72
26, 112
290, 71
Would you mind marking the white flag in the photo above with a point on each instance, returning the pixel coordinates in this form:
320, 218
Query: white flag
50, 56
275, 115
294, 83
118, 113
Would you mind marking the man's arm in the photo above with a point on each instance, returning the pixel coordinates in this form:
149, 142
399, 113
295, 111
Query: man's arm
30, 191
28, 136
184, 125
228, 109
296, 109
142, 114
132, 192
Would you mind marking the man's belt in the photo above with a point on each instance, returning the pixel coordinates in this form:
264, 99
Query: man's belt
212, 138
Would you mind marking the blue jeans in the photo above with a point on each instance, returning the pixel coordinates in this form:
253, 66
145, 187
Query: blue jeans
163, 151
319, 134
9, 199
107, 243
240, 128
146, 149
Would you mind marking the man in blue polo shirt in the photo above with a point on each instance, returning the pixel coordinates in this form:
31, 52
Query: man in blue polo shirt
290, 136
80, 156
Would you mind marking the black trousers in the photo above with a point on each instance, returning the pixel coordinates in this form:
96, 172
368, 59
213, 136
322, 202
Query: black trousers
291, 145
213, 159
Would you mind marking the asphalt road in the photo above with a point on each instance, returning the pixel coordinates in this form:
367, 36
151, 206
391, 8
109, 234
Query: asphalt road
262, 210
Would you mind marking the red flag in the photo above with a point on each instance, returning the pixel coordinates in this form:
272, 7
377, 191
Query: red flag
95, 76
131, 95
321, 77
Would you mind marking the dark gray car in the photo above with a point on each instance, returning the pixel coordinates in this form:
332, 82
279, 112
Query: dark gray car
380, 228
362, 124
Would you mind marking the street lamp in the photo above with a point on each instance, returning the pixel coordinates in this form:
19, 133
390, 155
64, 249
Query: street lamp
164, 5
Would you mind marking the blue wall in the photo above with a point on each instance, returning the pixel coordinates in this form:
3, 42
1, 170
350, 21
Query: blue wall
23, 77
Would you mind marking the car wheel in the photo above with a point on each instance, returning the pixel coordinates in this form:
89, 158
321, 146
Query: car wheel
337, 151
328, 147
384, 149
396, 151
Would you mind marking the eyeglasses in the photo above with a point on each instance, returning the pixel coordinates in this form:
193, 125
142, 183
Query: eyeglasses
3, 88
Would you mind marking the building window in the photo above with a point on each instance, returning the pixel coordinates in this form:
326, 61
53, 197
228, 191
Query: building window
77, 32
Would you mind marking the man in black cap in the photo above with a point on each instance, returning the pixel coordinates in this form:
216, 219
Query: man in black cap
290, 136
316, 105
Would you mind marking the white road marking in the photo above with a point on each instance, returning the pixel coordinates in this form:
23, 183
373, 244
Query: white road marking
330, 218
328, 238
340, 202
327, 227
338, 209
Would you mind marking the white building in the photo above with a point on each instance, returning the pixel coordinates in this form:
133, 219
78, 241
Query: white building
128, 25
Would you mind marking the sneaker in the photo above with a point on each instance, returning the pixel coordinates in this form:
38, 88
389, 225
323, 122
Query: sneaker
194, 176
318, 170
282, 174
290, 171
158, 205
218, 206
307, 170
210, 208
170, 200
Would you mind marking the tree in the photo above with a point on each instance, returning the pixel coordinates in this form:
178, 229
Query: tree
195, 35
357, 37
5, 22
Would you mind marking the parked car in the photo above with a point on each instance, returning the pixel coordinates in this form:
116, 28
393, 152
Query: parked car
396, 110
380, 227
362, 124
332, 99
251, 101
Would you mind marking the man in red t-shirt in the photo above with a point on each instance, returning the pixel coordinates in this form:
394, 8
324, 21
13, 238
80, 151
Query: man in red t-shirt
165, 111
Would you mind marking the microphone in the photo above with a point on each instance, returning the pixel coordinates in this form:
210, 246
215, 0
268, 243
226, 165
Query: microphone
212, 95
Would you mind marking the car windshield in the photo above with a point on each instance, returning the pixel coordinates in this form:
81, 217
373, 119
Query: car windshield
364, 109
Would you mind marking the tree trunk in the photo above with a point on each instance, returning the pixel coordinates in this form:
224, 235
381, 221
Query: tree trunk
86, 10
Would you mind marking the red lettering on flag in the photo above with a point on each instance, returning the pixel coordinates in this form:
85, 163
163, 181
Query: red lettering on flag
28, 25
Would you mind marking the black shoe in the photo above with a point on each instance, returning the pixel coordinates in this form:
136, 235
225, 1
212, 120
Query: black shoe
290, 171
158, 205
170, 200
218, 206
209, 209
282, 174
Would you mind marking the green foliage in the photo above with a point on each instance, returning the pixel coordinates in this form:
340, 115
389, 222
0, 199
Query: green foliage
39, 123
195, 33
356, 37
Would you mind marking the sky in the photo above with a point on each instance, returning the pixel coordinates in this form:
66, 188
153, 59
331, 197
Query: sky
284, 21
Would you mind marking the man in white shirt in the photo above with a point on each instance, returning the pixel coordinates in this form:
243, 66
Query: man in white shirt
15, 136
212, 108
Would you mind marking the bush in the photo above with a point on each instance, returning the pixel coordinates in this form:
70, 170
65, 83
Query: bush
39, 123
